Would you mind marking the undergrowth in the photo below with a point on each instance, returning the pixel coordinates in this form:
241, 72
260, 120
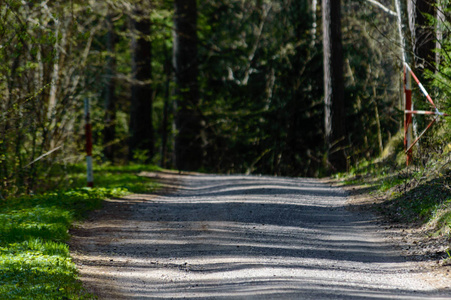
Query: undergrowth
34, 258
418, 195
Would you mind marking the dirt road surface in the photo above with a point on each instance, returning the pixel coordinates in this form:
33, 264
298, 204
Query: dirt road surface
242, 237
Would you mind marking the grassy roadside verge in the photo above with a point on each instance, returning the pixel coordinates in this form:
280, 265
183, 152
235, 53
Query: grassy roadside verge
34, 257
415, 197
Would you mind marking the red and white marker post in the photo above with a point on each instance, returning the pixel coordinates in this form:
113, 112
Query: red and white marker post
408, 143
88, 133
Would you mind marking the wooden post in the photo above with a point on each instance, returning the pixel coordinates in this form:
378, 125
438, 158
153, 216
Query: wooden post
88, 132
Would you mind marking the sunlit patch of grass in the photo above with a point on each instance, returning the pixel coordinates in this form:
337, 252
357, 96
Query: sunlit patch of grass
35, 261
124, 177
424, 203
38, 269
371, 173
389, 181
34, 258
440, 220
411, 195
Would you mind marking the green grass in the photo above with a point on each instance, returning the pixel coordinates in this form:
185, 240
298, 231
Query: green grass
411, 196
116, 177
428, 202
377, 175
34, 258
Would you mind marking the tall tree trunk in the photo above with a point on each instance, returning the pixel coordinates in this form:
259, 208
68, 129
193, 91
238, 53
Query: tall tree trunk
188, 142
440, 16
406, 51
423, 45
141, 128
55, 74
335, 117
109, 132
166, 109
422, 33
378, 121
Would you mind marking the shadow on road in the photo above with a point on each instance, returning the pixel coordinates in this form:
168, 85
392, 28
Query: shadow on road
240, 237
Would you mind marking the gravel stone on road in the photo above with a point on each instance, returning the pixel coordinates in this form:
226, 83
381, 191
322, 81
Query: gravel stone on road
242, 237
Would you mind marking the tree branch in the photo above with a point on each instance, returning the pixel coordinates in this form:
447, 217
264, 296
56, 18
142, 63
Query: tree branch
384, 8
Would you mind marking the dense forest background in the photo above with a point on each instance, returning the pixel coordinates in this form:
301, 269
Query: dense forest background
219, 86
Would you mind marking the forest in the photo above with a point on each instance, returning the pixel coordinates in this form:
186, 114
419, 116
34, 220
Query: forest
281, 87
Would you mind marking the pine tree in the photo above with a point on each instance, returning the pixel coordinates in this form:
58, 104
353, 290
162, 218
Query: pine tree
188, 143
335, 117
141, 129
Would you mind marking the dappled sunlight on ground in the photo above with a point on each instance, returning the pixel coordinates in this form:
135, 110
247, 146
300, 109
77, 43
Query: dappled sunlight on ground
240, 237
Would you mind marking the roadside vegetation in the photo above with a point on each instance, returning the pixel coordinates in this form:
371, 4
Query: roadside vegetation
34, 256
410, 197
418, 196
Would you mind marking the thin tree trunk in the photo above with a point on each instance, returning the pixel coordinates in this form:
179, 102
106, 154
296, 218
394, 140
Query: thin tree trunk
109, 132
378, 122
165, 124
335, 117
188, 142
314, 22
55, 72
439, 30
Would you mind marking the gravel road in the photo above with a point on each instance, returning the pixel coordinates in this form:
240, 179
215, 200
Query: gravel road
243, 237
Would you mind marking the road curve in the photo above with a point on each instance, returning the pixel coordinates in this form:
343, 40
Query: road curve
246, 237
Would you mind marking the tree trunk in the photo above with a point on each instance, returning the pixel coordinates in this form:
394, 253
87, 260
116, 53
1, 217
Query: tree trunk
109, 132
188, 142
335, 117
166, 109
314, 21
423, 45
406, 50
141, 129
439, 31
422, 33
378, 121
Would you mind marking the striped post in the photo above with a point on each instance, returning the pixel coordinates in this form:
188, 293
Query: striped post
420, 85
88, 132
408, 73
408, 126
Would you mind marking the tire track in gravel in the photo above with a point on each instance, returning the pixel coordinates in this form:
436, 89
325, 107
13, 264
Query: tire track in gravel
242, 237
